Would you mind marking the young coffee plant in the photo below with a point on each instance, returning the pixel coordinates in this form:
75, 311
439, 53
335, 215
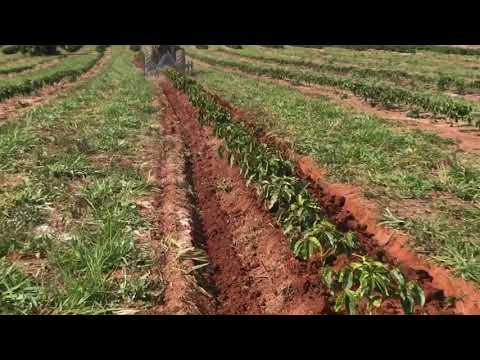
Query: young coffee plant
373, 281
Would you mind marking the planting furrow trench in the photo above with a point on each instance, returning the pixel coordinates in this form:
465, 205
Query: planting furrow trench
350, 211
251, 269
173, 213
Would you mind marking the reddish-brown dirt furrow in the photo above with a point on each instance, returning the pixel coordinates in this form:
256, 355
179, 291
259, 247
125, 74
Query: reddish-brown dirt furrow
17, 105
171, 211
252, 269
350, 210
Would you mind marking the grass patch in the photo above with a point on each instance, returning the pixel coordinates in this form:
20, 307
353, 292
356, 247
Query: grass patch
94, 262
19, 294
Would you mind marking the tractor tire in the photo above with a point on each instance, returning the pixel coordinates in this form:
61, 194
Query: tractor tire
148, 61
180, 60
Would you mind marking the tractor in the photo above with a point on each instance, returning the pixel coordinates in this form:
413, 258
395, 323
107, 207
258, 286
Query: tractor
160, 57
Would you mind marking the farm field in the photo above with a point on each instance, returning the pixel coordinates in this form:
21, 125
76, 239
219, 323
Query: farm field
294, 180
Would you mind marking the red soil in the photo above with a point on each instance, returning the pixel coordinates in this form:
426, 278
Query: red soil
252, 268
174, 230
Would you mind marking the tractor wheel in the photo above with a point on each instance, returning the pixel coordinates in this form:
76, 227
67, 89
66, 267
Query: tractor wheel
180, 60
148, 61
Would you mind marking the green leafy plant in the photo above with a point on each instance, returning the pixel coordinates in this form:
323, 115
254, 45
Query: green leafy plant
101, 48
373, 281
71, 48
39, 50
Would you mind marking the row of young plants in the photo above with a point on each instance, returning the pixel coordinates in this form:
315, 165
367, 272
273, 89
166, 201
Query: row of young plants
39, 50
17, 69
23, 67
28, 85
442, 82
412, 49
298, 214
384, 94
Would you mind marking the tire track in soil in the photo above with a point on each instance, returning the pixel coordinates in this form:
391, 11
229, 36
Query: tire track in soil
171, 212
252, 269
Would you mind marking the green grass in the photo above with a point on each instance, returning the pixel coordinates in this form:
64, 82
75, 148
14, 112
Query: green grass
442, 49
7, 60
101, 246
94, 262
19, 294
389, 162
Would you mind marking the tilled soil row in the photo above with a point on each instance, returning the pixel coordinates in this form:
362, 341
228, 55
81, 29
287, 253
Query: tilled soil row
174, 231
19, 104
251, 268
350, 211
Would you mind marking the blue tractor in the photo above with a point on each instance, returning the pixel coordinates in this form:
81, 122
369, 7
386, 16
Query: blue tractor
160, 57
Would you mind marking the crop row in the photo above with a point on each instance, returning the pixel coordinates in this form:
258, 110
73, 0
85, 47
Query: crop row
297, 213
442, 82
406, 48
384, 94
28, 85
16, 69
23, 67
